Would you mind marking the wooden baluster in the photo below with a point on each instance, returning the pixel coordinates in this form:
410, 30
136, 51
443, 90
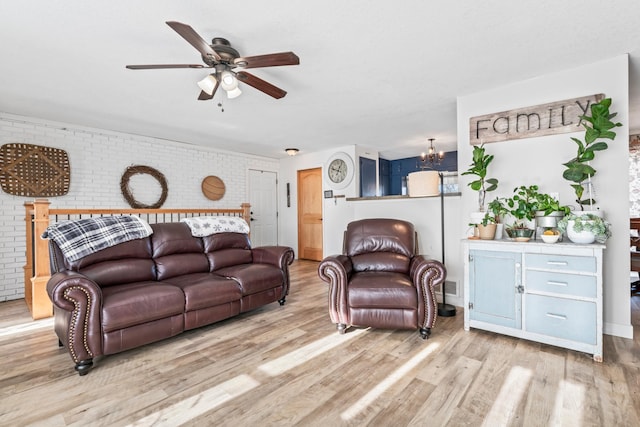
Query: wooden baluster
41, 306
28, 267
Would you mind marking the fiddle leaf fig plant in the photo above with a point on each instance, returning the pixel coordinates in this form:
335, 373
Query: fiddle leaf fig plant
579, 171
478, 167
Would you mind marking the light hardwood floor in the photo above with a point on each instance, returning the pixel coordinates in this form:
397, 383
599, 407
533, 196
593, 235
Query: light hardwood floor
283, 366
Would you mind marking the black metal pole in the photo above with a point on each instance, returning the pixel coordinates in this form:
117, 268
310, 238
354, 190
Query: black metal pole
444, 309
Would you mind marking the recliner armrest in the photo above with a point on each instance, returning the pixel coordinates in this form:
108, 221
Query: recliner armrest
426, 275
336, 271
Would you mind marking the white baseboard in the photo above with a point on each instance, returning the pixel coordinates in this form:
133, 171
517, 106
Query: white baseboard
617, 330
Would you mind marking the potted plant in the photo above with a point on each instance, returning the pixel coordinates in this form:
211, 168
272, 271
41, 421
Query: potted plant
585, 228
579, 171
479, 166
487, 227
499, 210
522, 207
549, 211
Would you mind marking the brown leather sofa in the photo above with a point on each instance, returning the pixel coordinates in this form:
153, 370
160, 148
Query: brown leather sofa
149, 289
379, 281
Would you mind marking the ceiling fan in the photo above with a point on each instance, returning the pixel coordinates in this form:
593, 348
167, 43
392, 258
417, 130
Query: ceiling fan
224, 59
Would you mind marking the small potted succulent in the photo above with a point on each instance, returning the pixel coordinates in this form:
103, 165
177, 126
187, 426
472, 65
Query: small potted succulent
585, 228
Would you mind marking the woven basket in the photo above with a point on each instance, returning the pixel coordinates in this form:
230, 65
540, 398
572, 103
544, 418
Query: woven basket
34, 171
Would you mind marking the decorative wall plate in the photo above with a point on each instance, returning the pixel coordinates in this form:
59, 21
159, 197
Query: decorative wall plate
213, 188
34, 170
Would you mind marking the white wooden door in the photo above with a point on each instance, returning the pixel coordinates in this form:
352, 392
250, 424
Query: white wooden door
264, 207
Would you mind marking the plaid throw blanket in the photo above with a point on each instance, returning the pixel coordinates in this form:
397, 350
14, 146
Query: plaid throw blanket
79, 238
207, 225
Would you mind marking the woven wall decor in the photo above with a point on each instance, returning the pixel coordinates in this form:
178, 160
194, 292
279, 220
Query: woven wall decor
213, 188
34, 170
139, 169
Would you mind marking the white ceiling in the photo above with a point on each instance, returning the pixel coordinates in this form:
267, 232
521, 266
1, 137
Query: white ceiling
380, 74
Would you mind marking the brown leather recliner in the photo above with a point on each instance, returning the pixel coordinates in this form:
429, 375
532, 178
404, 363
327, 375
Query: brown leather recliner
379, 281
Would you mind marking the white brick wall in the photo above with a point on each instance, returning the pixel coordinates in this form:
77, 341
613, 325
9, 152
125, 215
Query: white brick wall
97, 160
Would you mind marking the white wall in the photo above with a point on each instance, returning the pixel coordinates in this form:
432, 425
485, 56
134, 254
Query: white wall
539, 161
424, 213
98, 158
336, 212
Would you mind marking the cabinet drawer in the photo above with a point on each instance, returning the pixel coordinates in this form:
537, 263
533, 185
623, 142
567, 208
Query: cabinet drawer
561, 283
561, 262
562, 318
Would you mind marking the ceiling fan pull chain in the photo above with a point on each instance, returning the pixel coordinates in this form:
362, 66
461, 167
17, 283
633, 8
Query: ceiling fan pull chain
221, 107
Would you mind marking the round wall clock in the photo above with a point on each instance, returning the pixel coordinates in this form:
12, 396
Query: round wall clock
339, 170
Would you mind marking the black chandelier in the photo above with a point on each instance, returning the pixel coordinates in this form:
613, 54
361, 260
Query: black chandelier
431, 158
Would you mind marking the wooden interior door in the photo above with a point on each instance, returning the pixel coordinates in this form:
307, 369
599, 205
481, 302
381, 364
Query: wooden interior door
310, 214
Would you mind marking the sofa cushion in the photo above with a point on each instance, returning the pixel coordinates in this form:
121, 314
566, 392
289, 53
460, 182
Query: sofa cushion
381, 261
254, 278
380, 244
176, 251
203, 290
180, 264
381, 289
227, 249
136, 303
121, 271
173, 238
123, 263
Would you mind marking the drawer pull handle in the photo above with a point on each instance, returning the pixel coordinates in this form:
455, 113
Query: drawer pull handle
552, 282
557, 316
557, 263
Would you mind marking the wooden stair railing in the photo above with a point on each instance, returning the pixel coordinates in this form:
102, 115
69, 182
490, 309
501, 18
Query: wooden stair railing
38, 216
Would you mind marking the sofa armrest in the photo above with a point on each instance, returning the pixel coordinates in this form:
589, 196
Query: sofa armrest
336, 271
278, 256
77, 301
427, 274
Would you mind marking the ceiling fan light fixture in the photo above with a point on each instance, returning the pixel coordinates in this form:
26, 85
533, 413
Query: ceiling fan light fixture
228, 81
234, 93
208, 84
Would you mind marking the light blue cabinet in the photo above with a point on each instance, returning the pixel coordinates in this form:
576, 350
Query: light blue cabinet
495, 297
550, 293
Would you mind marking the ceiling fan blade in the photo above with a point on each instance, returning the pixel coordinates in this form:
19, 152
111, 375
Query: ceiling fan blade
269, 60
204, 96
190, 35
261, 85
157, 66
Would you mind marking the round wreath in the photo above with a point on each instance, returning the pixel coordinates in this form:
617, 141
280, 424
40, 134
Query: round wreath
126, 191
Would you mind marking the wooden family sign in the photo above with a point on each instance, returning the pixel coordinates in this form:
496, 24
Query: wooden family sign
539, 120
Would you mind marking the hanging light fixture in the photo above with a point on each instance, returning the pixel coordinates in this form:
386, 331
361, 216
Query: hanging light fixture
291, 151
229, 83
431, 158
208, 84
